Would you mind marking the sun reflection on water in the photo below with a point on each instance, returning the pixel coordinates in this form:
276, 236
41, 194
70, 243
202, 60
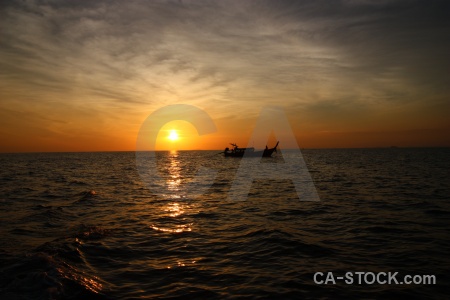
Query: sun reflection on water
177, 229
174, 209
186, 263
69, 272
174, 169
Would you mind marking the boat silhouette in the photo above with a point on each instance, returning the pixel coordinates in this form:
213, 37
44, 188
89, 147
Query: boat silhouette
248, 152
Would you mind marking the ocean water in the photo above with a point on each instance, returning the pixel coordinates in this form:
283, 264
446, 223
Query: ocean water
86, 226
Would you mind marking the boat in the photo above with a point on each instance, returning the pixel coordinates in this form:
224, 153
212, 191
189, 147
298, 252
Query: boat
249, 152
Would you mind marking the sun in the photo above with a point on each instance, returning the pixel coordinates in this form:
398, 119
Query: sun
173, 135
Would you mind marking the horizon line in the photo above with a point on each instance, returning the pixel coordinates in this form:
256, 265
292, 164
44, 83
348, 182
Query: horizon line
185, 150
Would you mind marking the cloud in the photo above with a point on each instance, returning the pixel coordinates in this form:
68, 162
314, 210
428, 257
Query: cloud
229, 57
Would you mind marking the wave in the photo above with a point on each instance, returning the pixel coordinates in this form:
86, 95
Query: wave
54, 270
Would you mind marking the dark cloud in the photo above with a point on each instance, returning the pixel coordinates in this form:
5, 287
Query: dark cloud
314, 55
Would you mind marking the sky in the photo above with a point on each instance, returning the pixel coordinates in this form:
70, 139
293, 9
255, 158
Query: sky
85, 75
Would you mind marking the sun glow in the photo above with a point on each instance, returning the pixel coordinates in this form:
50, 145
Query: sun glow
173, 135
182, 135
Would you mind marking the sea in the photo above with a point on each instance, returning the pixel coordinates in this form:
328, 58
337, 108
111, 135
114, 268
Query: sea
90, 226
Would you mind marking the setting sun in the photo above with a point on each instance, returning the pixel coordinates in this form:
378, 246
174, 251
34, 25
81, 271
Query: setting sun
182, 135
173, 135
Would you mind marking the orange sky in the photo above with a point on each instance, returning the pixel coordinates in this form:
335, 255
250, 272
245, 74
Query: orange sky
84, 76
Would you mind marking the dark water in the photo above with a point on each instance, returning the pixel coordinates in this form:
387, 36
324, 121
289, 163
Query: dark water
84, 225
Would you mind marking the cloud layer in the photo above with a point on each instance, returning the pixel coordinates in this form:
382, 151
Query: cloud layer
333, 65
